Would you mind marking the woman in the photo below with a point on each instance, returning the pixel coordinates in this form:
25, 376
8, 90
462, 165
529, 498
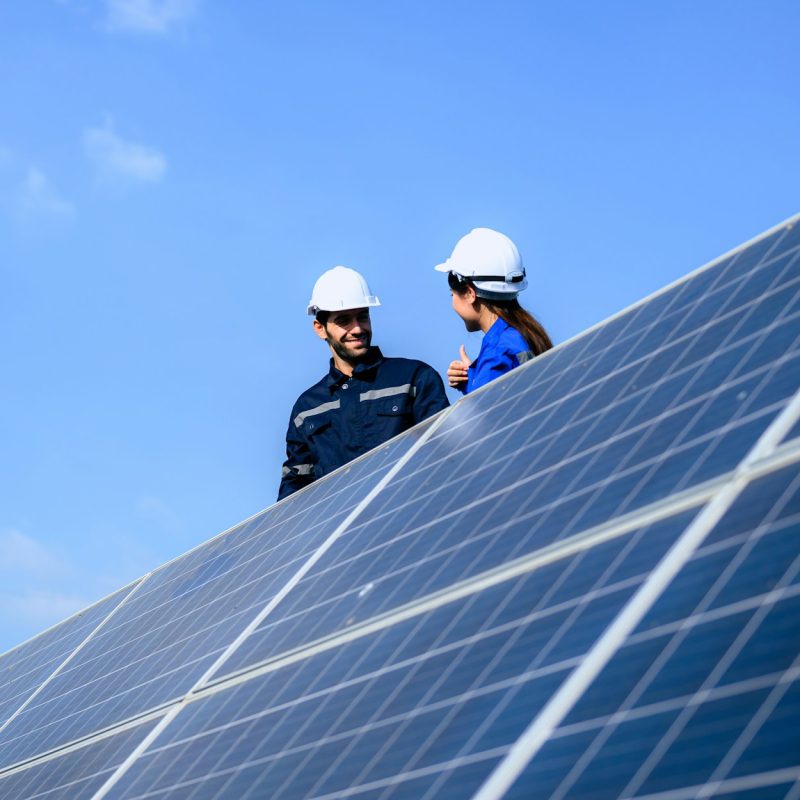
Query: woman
485, 275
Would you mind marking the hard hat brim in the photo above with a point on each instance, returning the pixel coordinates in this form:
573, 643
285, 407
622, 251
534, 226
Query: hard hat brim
499, 290
443, 267
370, 301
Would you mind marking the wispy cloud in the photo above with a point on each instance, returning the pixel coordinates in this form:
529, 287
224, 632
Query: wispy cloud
155, 17
44, 581
37, 197
118, 159
32, 577
27, 195
23, 554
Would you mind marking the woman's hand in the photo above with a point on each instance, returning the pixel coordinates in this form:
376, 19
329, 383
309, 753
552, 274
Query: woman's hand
457, 371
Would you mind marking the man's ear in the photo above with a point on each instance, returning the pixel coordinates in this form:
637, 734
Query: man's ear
319, 329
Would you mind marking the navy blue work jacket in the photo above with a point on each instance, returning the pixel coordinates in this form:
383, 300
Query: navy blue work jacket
342, 417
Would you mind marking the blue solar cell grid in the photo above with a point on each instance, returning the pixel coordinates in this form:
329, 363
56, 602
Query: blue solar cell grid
23, 669
409, 702
183, 616
76, 775
704, 695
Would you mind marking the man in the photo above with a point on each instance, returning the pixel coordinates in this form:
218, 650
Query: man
364, 399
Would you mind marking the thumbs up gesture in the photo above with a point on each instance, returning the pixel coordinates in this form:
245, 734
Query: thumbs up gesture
457, 371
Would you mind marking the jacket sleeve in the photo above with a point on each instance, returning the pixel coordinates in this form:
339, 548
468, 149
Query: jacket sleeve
430, 395
298, 469
491, 365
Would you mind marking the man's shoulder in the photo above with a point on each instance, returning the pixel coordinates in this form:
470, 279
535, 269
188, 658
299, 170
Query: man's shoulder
423, 377
405, 364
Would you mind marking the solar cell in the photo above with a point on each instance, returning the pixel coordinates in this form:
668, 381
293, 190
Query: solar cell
580, 581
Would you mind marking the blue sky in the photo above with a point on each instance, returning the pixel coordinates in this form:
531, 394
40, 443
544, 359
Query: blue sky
175, 174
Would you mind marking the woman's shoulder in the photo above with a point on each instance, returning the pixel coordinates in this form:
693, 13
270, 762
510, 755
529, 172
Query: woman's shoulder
504, 349
511, 340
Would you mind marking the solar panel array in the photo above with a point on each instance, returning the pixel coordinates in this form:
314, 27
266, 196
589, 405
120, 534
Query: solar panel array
582, 581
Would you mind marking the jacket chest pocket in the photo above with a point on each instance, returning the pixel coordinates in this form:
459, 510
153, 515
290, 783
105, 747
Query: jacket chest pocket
397, 406
387, 417
317, 424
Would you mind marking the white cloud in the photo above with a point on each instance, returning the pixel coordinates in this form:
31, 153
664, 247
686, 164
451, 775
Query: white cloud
115, 158
38, 197
147, 16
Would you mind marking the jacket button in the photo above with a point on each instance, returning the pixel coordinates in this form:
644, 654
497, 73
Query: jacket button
344, 386
394, 408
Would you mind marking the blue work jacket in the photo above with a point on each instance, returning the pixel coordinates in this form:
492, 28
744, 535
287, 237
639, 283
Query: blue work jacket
342, 417
502, 349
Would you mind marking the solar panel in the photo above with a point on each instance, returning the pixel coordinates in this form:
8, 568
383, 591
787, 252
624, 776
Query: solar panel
398, 704
178, 620
702, 698
580, 581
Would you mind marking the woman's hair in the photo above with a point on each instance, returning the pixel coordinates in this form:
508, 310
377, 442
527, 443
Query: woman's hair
511, 312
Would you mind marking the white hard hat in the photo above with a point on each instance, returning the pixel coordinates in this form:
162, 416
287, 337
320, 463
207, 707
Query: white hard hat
491, 261
338, 289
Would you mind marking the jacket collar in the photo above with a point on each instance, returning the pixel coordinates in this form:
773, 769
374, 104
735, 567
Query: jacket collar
336, 378
499, 327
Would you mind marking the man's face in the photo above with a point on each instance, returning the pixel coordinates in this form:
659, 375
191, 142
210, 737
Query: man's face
349, 333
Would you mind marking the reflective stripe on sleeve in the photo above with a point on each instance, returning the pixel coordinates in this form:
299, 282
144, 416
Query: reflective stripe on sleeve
525, 355
298, 420
391, 391
300, 469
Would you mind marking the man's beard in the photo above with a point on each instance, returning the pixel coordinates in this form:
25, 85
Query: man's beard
346, 355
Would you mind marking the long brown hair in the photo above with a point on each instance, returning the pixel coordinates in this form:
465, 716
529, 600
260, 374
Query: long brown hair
512, 313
